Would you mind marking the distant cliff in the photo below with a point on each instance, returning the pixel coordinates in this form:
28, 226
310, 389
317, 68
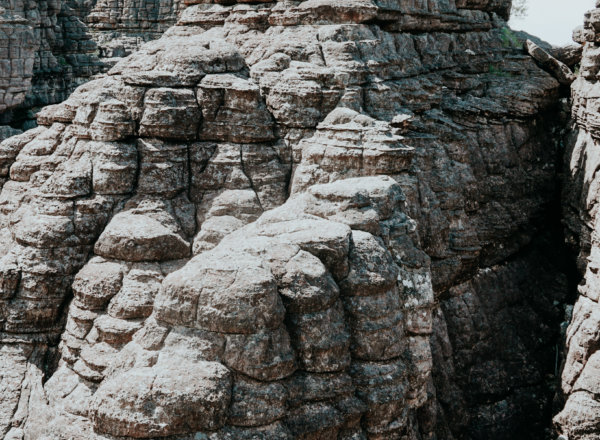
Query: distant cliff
46, 53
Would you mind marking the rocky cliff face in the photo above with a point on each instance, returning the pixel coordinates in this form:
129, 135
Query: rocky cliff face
53, 46
120, 27
46, 53
580, 415
288, 220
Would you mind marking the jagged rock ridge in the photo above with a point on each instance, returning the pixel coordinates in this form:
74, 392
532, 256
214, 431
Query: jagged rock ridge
292, 220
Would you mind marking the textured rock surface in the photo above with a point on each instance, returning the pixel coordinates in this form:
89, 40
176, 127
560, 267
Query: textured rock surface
560, 70
120, 27
45, 53
286, 220
579, 417
17, 59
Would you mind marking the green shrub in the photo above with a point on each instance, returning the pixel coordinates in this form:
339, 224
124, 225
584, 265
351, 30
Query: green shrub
509, 38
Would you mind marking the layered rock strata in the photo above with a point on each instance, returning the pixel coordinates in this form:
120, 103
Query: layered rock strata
17, 59
579, 416
120, 28
46, 53
295, 220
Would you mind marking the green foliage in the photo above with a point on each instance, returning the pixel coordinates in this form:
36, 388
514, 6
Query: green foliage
509, 38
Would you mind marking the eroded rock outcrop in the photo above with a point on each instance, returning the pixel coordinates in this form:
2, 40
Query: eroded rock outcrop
579, 417
295, 220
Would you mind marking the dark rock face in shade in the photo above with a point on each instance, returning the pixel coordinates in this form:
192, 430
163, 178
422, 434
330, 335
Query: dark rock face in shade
46, 52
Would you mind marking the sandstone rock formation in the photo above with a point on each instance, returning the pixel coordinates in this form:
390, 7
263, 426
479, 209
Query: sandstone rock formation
287, 220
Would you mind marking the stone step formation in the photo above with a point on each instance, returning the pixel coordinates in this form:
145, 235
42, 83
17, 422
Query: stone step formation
315, 219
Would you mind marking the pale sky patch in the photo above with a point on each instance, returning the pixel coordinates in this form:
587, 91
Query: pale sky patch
553, 20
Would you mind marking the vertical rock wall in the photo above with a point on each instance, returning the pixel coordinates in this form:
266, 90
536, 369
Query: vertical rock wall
47, 54
580, 414
121, 27
18, 48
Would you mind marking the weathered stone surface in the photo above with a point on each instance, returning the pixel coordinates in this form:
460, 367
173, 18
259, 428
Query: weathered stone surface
286, 220
46, 53
163, 400
560, 70
97, 283
170, 114
265, 355
232, 295
135, 237
578, 416
224, 98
